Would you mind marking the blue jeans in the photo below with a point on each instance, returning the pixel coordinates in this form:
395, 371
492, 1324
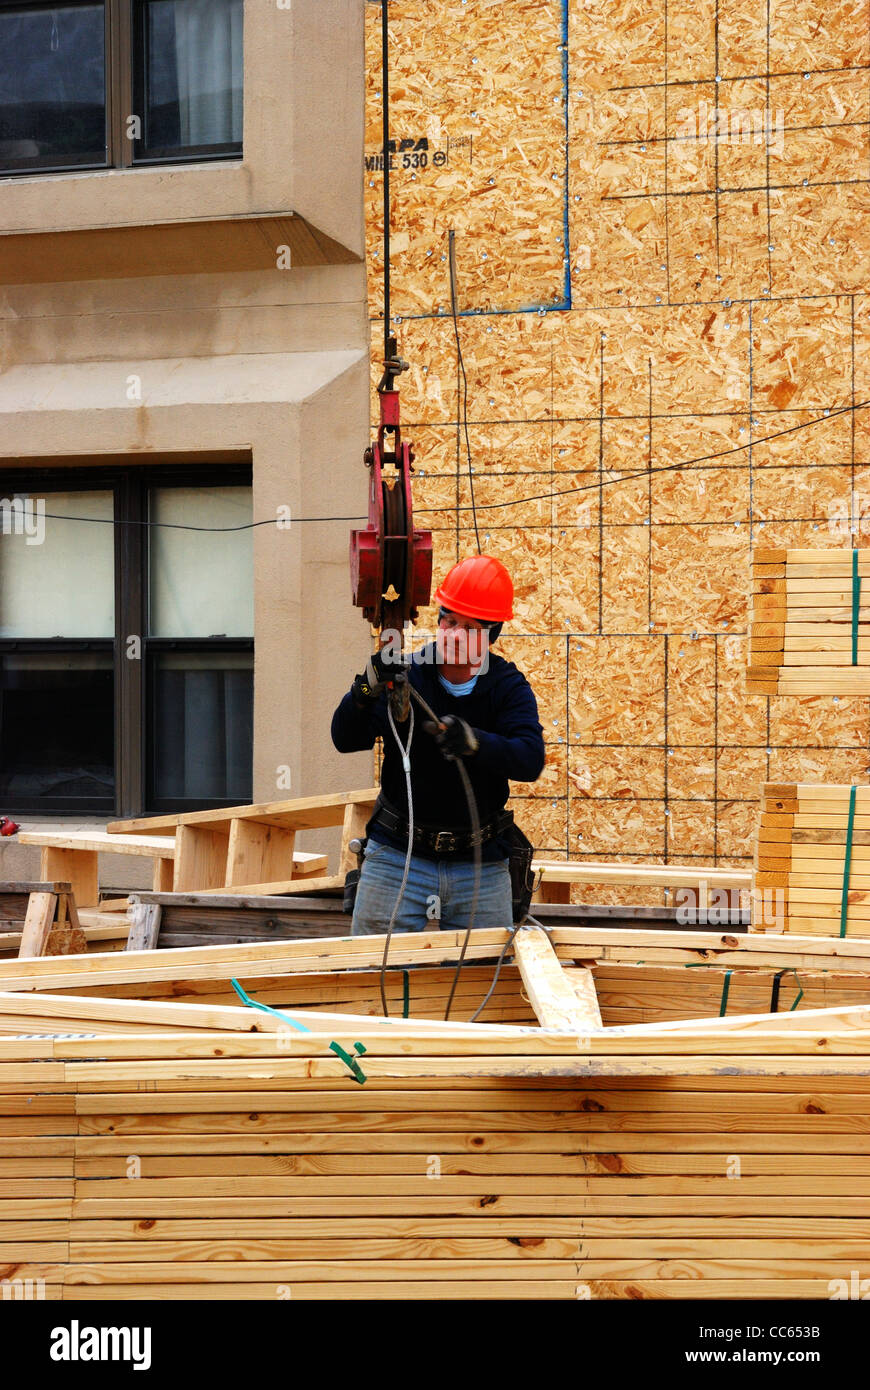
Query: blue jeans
437, 893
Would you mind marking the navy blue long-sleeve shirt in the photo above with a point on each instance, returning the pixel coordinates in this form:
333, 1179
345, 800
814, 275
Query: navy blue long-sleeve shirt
503, 713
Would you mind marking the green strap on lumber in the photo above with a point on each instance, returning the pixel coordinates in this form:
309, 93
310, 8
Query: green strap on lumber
335, 1047
266, 1008
847, 866
856, 606
774, 993
358, 1074
723, 1004
406, 993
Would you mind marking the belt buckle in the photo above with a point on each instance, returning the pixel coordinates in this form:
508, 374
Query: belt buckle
448, 837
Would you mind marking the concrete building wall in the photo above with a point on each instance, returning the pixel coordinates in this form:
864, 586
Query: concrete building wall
258, 362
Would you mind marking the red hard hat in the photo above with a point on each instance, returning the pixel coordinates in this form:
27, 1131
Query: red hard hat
479, 587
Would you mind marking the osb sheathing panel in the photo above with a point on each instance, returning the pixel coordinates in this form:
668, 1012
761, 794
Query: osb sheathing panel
682, 394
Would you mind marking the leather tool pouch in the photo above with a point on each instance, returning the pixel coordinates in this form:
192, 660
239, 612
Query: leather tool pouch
522, 876
351, 882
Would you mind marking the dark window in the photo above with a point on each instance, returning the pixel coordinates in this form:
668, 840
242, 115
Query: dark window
126, 651
110, 83
57, 728
188, 77
202, 708
52, 86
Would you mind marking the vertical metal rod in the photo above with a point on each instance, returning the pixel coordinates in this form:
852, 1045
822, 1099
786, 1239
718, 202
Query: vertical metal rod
385, 64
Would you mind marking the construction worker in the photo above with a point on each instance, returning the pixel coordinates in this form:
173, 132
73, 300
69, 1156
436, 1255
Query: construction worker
489, 719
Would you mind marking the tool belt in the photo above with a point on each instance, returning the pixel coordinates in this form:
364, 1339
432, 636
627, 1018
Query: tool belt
439, 841
519, 854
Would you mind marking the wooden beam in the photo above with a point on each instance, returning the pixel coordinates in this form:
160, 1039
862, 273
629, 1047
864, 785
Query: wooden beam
304, 813
582, 982
639, 875
96, 841
77, 867
37, 924
144, 926
553, 997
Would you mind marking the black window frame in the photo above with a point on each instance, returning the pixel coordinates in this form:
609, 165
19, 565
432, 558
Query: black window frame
125, 61
133, 702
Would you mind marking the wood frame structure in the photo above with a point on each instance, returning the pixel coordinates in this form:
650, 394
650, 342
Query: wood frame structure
246, 849
39, 919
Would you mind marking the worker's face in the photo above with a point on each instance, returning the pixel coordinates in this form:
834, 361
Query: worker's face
461, 641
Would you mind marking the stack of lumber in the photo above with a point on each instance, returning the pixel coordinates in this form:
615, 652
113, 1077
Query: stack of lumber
667, 993
174, 1150
207, 919
810, 632
807, 854
342, 975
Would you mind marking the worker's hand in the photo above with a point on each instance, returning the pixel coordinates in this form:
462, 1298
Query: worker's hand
369, 684
456, 739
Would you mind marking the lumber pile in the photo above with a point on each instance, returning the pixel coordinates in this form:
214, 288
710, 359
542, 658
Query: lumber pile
810, 629
812, 860
164, 1147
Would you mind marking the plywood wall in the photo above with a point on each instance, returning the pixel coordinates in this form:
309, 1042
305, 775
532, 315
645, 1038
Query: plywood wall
664, 333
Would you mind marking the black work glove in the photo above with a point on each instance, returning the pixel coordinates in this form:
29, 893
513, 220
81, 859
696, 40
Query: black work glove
456, 739
369, 684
